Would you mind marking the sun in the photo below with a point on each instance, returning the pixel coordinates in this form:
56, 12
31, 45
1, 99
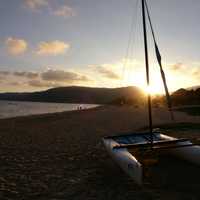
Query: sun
153, 89
138, 79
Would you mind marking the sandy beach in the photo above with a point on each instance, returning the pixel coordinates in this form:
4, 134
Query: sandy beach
60, 156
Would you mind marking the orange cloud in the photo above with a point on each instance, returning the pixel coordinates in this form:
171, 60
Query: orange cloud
61, 11
52, 48
35, 4
16, 46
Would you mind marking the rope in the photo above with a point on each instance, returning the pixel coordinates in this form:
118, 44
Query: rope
159, 59
131, 41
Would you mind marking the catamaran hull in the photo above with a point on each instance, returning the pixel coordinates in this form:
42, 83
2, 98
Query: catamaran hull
125, 160
190, 153
134, 168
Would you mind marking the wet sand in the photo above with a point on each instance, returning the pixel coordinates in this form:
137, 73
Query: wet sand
60, 156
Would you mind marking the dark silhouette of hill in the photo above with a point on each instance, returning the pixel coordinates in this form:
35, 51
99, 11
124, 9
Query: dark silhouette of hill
193, 87
123, 95
186, 97
76, 94
181, 97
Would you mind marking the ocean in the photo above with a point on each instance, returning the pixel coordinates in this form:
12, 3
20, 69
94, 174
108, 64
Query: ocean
19, 108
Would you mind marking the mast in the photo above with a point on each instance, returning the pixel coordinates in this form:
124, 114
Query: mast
147, 69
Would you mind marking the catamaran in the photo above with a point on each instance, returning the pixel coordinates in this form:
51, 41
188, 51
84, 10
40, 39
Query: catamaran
133, 151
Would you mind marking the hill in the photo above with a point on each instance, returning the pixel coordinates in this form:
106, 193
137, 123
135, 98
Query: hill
193, 87
76, 94
181, 97
186, 97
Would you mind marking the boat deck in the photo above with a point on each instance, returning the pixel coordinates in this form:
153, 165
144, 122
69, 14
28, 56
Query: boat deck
136, 139
146, 152
143, 141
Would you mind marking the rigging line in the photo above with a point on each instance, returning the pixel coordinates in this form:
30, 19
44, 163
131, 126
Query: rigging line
132, 47
159, 59
129, 45
132, 32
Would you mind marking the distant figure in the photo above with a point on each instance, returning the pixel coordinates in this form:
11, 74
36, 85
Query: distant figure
79, 108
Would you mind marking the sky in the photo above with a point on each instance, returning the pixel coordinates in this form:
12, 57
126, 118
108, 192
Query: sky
52, 43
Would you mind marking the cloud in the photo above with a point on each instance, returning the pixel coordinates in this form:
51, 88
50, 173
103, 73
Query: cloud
181, 69
4, 73
16, 46
61, 11
15, 83
30, 75
57, 78
39, 83
108, 73
177, 66
63, 76
64, 11
196, 73
52, 75
36, 4
52, 48
45, 79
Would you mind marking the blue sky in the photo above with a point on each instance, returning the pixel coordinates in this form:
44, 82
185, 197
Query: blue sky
78, 42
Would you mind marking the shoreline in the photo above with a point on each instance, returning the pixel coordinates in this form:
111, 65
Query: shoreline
42, 115
12, 109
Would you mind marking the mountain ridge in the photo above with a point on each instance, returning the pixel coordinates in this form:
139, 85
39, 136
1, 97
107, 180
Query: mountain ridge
77, 94
92, 95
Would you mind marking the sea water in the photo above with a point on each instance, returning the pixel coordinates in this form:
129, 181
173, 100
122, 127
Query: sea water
20, 108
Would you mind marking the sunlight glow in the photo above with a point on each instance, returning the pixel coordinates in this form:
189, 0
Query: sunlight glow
135, 76
153, 89
138, 79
